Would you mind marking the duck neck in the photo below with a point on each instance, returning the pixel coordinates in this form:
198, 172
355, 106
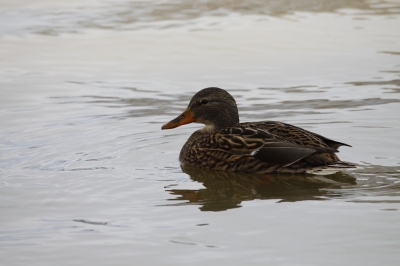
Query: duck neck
210, 128
226, 120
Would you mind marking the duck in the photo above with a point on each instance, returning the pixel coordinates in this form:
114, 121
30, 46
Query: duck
264, 147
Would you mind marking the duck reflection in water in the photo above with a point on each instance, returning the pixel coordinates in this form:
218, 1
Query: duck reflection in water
226, 190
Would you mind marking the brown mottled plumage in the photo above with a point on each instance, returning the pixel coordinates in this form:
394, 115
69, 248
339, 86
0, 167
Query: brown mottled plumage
224, 144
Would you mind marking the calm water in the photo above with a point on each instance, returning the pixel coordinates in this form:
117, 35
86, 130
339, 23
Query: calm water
88, 177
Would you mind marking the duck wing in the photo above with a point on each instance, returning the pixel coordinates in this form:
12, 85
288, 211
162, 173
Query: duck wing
295, 134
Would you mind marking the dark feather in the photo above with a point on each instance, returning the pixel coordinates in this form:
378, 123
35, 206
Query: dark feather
330, 142
284, 155
295, 134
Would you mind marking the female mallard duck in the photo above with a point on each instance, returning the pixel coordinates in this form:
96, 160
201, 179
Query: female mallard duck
224, 144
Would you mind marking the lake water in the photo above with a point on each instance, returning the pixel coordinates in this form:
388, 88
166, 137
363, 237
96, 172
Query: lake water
87, 177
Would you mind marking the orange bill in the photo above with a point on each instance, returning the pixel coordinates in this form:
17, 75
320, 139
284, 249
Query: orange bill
184, 118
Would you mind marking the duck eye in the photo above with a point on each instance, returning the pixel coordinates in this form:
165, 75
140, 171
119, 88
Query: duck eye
204, 101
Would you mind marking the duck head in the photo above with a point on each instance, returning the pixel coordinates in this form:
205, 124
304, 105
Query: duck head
213, 107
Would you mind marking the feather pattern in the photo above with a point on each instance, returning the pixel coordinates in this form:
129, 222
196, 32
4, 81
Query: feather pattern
251, 147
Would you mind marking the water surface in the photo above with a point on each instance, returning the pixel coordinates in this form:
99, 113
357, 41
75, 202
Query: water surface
87, 176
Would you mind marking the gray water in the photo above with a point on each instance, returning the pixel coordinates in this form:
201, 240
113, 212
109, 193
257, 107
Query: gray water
88, 178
